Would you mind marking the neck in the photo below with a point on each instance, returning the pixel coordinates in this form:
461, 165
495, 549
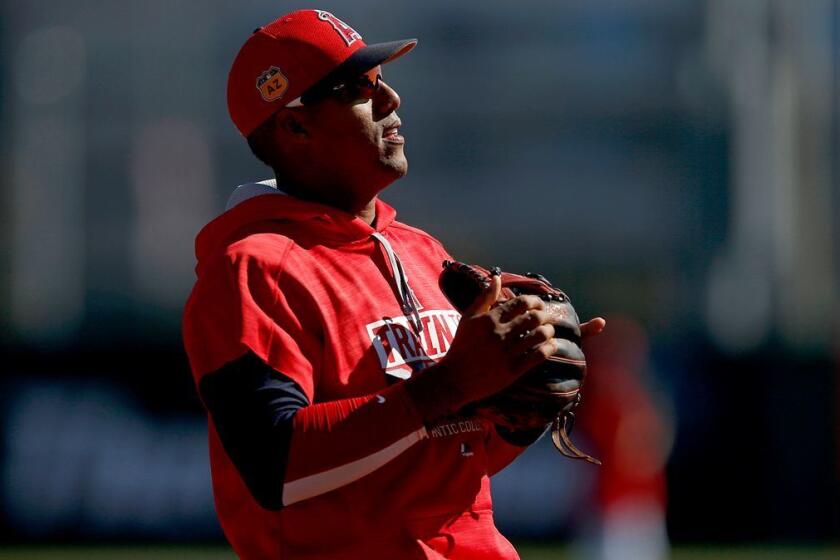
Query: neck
368, 213
364, 210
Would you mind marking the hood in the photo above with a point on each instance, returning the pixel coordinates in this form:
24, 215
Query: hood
252, 203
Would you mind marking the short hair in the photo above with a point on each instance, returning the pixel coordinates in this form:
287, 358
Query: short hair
261, 142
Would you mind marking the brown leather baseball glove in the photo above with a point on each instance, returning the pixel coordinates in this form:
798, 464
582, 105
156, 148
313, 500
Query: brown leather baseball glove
548, 393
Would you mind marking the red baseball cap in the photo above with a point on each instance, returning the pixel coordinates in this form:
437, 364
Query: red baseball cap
296, 53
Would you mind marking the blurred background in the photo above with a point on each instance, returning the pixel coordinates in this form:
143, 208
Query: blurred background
672, 164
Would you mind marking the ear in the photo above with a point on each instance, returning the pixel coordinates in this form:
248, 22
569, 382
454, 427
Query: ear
292, 125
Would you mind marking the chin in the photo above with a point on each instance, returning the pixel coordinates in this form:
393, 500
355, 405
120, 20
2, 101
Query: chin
389, 171
396, 165
400, 169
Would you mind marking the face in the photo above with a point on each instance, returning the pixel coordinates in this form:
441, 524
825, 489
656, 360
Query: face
357, 126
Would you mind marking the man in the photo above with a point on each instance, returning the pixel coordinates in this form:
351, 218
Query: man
324, 351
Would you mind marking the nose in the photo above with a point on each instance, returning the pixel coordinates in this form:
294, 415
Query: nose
386, 101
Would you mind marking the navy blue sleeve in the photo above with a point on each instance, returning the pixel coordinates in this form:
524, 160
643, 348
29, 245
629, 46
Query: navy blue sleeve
252, 407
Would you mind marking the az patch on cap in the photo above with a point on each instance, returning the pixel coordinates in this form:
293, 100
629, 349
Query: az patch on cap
272, 84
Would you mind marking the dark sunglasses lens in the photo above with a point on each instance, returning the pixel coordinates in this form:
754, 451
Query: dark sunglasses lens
362, 88
347, 92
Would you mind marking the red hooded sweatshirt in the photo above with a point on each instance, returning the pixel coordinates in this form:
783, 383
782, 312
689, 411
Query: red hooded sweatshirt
347, 311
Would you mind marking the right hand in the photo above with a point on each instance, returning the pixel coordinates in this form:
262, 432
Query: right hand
492, 348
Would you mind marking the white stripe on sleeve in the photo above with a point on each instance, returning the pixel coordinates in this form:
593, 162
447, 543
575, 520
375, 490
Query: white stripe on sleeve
323, 482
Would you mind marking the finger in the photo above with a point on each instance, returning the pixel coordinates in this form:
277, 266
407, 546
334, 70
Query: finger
487, 298
535, 356
592, 327
538, 336
528, 321
518, 305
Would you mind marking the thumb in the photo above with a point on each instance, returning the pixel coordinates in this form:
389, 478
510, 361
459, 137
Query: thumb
592, 327
488, 297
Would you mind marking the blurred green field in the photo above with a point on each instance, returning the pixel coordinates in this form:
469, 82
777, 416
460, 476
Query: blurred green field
527, 551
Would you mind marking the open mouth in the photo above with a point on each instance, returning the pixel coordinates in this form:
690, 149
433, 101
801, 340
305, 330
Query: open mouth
391, 134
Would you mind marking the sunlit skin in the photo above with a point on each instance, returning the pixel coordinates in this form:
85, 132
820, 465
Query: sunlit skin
344, 152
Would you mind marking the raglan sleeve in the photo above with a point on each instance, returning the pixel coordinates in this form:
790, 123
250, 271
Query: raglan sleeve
255, 348
237, 307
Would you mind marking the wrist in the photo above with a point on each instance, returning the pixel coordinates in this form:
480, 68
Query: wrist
433, 394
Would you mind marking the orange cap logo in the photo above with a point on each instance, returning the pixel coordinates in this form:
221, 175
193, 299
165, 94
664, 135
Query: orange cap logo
272, 84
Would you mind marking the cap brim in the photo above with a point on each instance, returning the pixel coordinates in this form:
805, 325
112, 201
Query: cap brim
379, 53
360, 62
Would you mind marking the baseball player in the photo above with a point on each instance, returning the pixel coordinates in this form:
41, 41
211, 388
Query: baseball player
330, 363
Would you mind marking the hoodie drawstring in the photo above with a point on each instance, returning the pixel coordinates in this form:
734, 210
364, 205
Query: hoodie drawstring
408, 301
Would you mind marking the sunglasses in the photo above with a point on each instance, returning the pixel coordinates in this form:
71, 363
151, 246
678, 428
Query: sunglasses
359, 89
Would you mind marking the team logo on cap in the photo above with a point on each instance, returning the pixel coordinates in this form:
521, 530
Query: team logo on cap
347, 33
272, 84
